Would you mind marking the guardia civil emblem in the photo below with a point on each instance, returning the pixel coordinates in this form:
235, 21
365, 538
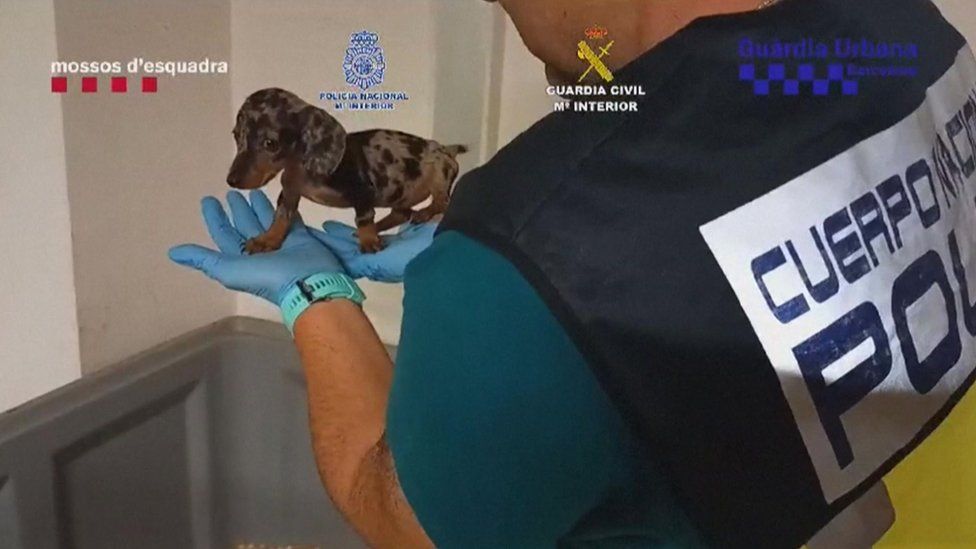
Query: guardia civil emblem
364, 63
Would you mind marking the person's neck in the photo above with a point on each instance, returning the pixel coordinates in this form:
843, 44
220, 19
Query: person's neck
639, 25
659, 19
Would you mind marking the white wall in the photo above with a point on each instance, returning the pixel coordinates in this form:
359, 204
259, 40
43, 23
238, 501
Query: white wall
38, 329
137, 166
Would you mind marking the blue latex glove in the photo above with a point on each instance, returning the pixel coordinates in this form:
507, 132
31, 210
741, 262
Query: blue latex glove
266, 275
386, 265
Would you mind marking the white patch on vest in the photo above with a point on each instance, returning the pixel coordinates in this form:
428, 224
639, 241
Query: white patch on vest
867, 350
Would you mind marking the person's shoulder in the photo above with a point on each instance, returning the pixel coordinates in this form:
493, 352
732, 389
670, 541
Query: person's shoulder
450, 259
460, 271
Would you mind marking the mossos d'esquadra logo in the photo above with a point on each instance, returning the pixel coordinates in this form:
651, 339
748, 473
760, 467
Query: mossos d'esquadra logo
364, 68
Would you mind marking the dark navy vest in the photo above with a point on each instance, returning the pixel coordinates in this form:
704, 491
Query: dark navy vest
771, 265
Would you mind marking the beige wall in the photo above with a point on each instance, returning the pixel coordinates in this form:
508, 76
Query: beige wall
137, 165
38, 329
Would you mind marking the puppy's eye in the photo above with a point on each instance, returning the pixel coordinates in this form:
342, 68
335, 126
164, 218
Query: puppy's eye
271, 144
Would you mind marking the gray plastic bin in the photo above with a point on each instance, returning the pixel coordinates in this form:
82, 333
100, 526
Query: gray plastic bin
201, 442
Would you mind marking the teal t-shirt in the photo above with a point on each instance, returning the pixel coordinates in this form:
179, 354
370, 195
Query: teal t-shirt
501, 435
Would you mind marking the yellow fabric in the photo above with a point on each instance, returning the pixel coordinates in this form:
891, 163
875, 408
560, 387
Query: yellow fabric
934, 489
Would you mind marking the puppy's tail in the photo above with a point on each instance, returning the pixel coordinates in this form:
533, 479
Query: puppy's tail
454, 150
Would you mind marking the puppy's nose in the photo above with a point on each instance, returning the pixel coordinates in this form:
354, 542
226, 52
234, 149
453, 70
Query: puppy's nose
233, 179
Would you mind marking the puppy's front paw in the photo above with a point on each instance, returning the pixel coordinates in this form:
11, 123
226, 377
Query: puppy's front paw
260, 245
370, 243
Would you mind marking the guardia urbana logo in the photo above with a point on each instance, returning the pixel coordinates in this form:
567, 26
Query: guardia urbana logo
820, 67
364, 69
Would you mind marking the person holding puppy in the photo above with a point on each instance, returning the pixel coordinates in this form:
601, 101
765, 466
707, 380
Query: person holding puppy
629, 327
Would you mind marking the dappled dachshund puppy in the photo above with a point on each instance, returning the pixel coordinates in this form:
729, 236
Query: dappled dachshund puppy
277, 131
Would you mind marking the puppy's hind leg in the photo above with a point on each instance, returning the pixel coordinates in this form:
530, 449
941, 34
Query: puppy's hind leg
441, 183
438, 205
285, 215
398, 216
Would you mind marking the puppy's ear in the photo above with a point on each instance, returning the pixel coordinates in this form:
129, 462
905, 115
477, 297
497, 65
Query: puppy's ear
322, 143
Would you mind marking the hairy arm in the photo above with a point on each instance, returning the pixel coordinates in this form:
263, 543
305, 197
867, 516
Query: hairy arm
349, 375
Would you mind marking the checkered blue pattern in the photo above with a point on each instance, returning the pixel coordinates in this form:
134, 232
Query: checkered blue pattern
806, 78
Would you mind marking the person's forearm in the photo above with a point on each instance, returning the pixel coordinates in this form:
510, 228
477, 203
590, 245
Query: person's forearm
349, 375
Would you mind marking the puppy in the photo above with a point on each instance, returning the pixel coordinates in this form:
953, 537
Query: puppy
278, 132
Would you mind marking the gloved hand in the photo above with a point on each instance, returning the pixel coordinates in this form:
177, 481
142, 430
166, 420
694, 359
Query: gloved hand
267, 275
386, 265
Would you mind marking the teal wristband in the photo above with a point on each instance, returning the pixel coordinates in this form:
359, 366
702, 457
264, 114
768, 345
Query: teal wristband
318, 287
